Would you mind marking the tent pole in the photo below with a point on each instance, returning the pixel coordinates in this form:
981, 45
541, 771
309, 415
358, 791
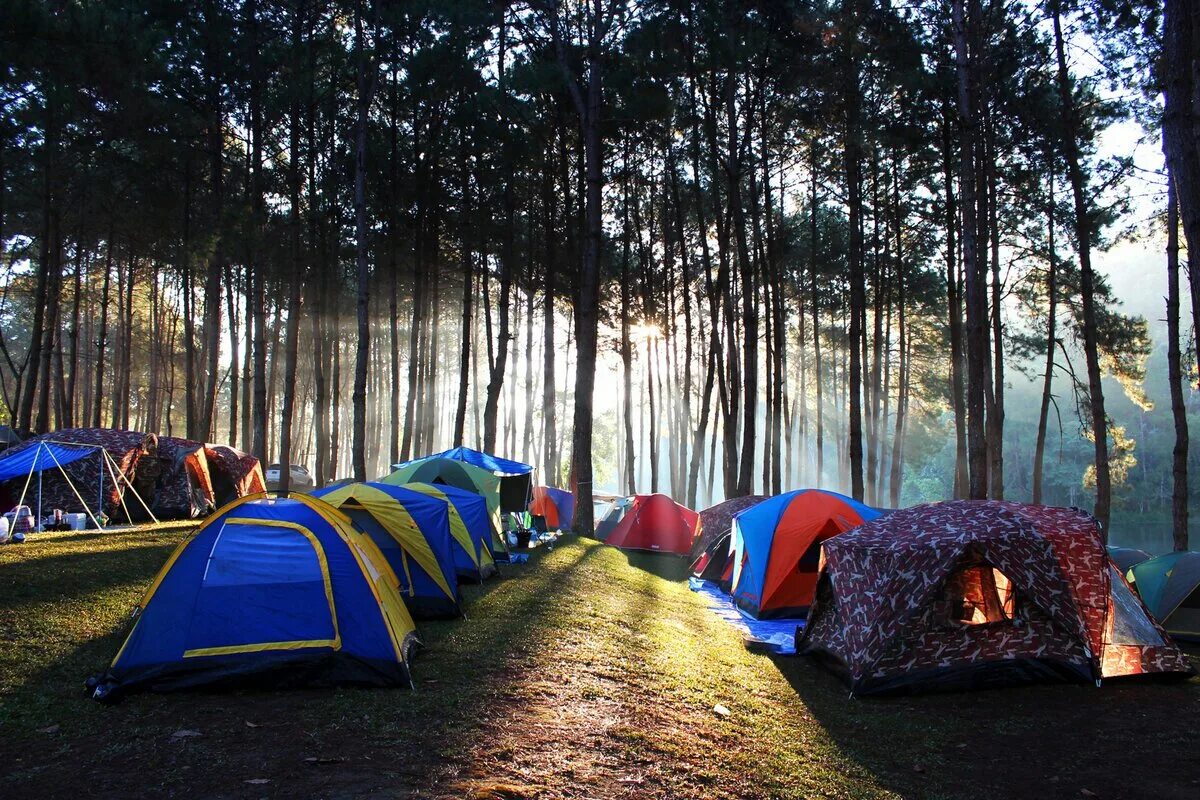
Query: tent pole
39, 516
25, 489
123, 477
67, 478
108, 463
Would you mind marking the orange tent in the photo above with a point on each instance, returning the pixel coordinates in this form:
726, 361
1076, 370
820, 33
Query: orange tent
777, 547
656, 522
557, 506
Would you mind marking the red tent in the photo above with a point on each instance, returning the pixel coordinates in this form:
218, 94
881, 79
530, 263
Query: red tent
979, 593
656, 522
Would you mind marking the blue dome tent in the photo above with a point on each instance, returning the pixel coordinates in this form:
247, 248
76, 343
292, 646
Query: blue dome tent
280, 592
477, 562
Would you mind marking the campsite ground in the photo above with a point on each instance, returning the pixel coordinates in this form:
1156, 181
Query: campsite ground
585, 673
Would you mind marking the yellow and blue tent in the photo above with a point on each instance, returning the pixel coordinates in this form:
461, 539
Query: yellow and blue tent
412, 530
451, 472
473, 527
279, 592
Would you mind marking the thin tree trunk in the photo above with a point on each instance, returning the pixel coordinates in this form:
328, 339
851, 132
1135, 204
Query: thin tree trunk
1179, 455
976, 306
1039, 452
1083, 237
365, 84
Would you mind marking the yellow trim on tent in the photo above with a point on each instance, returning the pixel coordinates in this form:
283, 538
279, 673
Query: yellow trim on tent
391, 514
458, 528
486, 484
320, 551
375, 569
233, 649
175, 554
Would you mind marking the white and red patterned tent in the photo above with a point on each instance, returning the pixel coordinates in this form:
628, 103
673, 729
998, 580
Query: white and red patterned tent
978, 593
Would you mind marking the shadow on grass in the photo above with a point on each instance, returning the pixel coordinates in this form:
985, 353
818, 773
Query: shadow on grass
48, 576
1021, 740
467, 669
667, 566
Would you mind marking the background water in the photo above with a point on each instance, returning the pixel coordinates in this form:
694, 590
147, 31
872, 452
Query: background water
1150, 534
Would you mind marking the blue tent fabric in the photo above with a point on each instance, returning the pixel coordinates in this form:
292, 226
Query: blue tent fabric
424, 598
564, 501
754, 531
267, 590
494, 464
41, 456
474, 512
774, 635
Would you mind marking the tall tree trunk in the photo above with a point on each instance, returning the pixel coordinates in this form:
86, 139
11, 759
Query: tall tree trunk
586, 333
549, 389
102, 335
491, 406
464, 355
1179, 455
200, 428
365, 84
965, 23
1181, 142
995, 417
393, 234
292, 335
747, 271
853, 165
1039, 452
1083, 237
954, 313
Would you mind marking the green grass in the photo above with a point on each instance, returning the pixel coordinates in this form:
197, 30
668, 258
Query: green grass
585, 673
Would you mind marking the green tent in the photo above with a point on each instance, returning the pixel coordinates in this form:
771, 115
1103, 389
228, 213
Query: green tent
450, 472
1170, 587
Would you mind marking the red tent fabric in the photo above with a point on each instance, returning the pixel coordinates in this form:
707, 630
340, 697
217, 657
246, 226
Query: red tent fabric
235, 474
656, 522
975, 593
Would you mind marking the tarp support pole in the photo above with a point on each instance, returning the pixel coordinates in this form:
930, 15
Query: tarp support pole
39, 516
120, 476
78, 496
28, 478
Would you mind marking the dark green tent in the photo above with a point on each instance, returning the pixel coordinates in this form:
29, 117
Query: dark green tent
1170, 587
1126, 557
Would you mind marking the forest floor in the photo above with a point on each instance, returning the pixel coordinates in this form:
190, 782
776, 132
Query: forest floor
586, 673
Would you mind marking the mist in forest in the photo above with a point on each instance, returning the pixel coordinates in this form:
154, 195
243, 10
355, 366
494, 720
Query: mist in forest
703, 248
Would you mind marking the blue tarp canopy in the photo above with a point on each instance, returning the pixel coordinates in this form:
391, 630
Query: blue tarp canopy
493, 464
40, 456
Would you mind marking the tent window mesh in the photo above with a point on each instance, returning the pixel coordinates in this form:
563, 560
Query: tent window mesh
977, 595
1130, 625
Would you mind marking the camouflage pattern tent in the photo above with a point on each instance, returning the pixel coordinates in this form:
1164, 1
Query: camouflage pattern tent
717, 521
974, 593
173, 476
